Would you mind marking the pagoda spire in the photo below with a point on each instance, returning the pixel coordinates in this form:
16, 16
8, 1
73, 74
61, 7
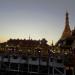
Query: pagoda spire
67, 30
67, 19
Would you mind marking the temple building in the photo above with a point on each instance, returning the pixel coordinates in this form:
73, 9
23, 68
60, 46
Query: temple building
67, 40
66, 46
27, 46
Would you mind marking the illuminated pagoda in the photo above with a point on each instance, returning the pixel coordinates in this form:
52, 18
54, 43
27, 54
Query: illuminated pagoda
67, 30
66, 45
67, 40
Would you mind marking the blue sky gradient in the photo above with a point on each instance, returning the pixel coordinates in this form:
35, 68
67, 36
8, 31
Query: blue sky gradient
37, 18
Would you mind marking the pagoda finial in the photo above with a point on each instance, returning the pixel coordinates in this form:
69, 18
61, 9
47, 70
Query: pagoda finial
67, 18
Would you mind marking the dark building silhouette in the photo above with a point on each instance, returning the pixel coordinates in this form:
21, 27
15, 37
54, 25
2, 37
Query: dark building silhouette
26, 46
29, 57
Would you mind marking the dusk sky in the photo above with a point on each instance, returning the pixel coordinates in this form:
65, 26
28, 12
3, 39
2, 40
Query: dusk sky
35, 18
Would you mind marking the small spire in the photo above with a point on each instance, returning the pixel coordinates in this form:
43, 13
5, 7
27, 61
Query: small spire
52, 43
29, 37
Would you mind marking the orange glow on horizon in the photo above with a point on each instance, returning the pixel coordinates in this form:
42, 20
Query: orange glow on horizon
4, 39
